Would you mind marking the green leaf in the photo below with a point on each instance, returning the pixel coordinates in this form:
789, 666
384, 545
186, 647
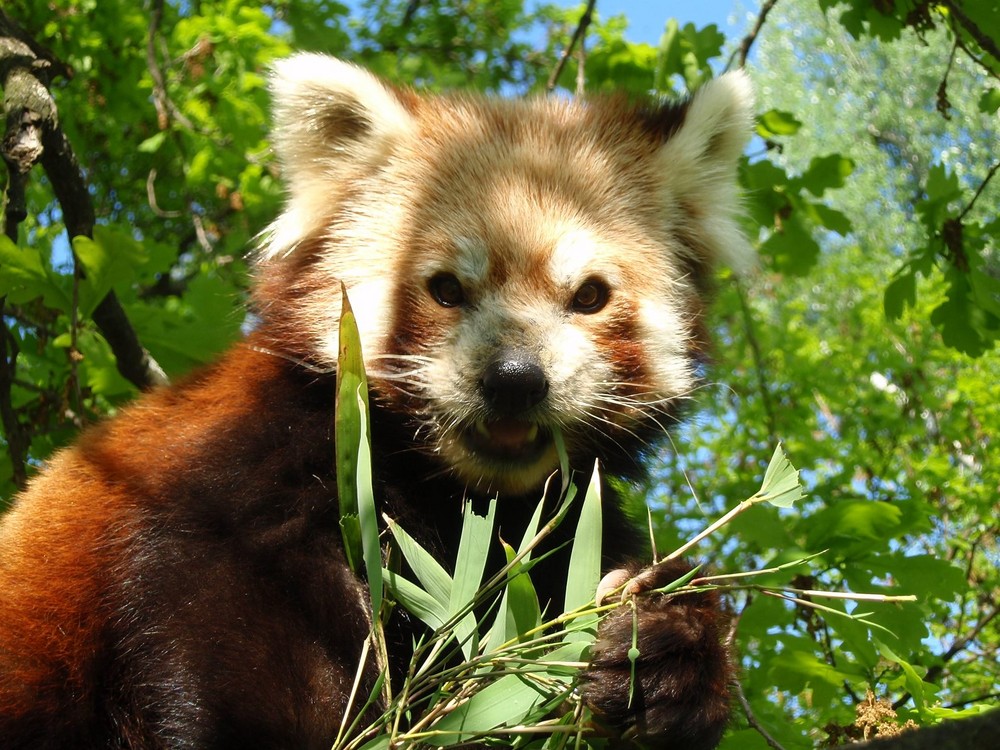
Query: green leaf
152, 144
954, 317
585, 558
989, 102
930, 576
781, 486
26, 276
774, 122
519, 611
519, 606
352, 389
853, 520
473, 549
383, 742
792, 247
832, 219
367, 515
432, 576
901, 293
416, 601
914, 683
825, 173
505, 702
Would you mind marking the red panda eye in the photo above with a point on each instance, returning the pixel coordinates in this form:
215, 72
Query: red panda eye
446, 290
591, 297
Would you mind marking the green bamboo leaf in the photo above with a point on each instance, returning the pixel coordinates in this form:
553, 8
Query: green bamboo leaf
585, 558
383, 742
505, 702
470, 563
415, 600
432, 576
367, 515
351, 383
519, 606
518, 611
781, 486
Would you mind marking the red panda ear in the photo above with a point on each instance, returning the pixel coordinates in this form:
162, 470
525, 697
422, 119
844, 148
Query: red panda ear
332, 121
698, 164
329, 114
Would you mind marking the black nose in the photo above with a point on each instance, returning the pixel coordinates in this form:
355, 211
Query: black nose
513, 382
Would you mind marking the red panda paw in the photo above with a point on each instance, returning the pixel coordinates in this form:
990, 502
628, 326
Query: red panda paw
677, 694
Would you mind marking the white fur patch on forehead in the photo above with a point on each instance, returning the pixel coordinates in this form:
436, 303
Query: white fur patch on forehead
580, 253
698, 167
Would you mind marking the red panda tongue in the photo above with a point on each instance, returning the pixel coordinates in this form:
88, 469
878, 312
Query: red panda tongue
508, 434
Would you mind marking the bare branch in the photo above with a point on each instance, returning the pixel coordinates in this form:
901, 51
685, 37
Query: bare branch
972, 29
743, 51
33, 135
581, 29
979, 191
758, 361
15, 433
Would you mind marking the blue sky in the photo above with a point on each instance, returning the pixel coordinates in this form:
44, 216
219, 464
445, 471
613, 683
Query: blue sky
647, 17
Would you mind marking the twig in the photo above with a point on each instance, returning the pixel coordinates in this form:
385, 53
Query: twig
943, 104
752, 719
165, 108
581, 65
758, 362
743, 51
581, 29
151, 198
979, 191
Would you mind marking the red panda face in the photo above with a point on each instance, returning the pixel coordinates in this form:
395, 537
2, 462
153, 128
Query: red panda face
516, 268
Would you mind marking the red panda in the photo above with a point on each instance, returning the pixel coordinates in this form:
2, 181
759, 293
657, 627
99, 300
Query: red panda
177, 578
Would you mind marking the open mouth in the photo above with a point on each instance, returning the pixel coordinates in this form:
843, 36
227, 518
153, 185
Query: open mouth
508, 439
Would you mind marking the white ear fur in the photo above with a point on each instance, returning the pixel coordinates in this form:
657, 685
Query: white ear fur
332, 120
699, 165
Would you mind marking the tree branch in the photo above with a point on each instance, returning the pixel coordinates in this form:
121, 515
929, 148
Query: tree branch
33, 135
980, 731
743, 51
972, 29
581, 29
758, 360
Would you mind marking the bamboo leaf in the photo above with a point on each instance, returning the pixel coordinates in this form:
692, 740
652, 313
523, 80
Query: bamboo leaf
781, 486
505, 702
432, 576
473, 549
367, 515
352, 389
416, 601
585, 558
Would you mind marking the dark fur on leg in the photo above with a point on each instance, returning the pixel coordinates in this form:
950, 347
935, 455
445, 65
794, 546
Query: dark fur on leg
681, 697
